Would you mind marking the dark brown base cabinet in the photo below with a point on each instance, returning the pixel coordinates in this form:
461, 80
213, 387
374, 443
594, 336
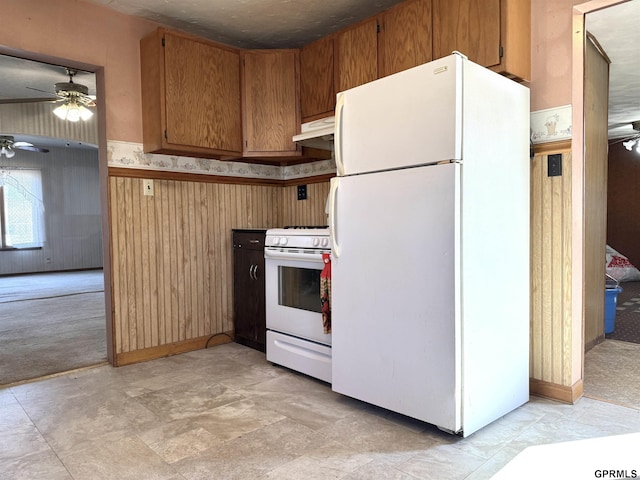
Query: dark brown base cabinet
248, 288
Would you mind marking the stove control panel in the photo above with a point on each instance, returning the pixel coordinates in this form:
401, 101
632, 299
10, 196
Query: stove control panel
297, 238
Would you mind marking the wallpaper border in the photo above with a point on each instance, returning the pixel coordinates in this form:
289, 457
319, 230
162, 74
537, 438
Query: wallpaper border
551, 124
130, 155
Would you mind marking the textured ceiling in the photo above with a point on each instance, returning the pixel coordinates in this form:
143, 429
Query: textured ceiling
254, 23
617, 30
293, 23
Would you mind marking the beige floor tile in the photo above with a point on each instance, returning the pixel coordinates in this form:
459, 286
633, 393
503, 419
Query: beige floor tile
442, 461
225, 412
122, 459
40, 465
254, 454
331, 461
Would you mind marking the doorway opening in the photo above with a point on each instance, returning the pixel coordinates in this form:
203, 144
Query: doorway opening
53, 314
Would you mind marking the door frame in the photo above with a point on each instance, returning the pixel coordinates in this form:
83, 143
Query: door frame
578, 181
102, 172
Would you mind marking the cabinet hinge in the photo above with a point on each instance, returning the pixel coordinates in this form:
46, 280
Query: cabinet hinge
501, 51
163, 41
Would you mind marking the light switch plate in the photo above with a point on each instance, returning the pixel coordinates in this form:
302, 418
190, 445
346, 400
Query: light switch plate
302, 192
147, 187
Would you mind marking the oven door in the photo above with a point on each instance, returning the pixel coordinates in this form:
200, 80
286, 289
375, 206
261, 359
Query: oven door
292, 291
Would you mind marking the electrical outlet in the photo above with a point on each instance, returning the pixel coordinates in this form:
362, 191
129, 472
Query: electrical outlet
147, 187
302, 192
554, 165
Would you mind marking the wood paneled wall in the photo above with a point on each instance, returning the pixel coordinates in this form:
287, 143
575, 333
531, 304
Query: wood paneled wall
172, 257
551, 276
305, 212
72, 217
596, 111
623, 198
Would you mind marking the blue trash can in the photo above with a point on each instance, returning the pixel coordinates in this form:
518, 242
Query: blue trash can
611, 300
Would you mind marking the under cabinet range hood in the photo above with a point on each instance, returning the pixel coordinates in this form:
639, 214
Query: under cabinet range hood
317, 134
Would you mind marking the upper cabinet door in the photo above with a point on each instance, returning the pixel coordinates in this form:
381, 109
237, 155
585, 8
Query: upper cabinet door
406, 36
317, 93
271, 102
469, 26
203, 95
190, 96
356, 55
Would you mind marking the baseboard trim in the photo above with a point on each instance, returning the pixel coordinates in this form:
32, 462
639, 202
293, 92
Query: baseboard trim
554, 391
152, 353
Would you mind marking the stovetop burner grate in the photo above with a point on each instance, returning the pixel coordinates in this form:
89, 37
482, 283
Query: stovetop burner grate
306, 227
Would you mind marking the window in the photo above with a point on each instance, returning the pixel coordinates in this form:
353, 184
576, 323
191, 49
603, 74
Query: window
21, 209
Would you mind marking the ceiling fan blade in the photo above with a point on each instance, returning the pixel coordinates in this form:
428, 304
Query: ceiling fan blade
38, 90
624, 139
27, 100
87, 102
29, 147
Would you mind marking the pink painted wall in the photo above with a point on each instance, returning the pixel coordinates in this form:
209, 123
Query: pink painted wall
551, 55
90, 34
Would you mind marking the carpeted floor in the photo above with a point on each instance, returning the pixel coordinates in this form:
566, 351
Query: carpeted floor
612, 373
627, 321
51, 323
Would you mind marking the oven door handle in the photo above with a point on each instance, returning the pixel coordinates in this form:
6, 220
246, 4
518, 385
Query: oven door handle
304, 257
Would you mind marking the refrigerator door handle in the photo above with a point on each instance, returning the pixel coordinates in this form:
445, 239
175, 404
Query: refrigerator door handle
333, 233
338, 135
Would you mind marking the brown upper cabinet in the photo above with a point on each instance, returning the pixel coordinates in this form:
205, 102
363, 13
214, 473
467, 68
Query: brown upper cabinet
271, 102
356, 55
199, 99
190, 96
317, 92
405, 37
492, 33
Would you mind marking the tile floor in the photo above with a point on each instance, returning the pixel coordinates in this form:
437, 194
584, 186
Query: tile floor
225, 412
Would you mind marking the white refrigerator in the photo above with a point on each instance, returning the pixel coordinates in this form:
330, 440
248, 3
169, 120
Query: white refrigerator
429, 217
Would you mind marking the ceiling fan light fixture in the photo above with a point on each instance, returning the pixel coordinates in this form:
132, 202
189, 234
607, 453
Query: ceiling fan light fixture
7, 152
631, 143
72, 112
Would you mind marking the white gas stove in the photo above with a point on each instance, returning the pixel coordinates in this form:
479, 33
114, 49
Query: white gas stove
295, 332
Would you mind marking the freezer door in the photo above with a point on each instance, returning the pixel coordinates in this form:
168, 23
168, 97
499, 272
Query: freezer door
395, 291
406, 119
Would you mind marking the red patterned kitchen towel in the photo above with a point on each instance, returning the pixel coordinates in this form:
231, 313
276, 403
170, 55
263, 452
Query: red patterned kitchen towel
325, 292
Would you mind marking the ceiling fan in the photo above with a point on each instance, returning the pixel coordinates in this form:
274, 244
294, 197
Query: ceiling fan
8, 144
69, 90
630, 140
75, 99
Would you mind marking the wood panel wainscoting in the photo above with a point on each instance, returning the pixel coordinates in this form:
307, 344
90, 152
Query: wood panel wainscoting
171, 254
551, 342
172, 260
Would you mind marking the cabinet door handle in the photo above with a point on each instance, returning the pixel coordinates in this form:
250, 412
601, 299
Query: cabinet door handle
254, 241
253, 270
